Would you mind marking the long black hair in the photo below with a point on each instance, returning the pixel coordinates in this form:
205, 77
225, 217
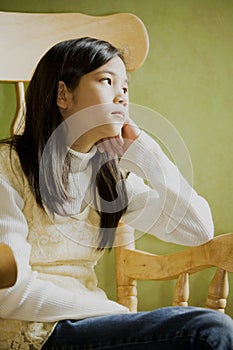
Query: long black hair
67, 61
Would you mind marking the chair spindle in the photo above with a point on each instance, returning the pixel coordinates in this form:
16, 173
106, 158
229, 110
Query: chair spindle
218, 291
181, 292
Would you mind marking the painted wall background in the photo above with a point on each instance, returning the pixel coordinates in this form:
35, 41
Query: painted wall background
187, 78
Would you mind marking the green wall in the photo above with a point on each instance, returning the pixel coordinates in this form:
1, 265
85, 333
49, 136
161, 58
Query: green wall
188, 79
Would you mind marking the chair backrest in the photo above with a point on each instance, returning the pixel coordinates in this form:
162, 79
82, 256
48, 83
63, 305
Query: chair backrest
25, 37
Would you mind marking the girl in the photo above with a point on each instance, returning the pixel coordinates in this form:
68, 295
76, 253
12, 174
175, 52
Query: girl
66, 183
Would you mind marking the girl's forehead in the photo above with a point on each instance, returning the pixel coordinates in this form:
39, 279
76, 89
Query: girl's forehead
115, 67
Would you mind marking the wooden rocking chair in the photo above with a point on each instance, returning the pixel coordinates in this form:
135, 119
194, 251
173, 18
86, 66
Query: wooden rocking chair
25, 38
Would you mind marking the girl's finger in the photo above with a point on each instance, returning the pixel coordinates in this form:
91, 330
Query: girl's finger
116, 145
105, 145
112, 145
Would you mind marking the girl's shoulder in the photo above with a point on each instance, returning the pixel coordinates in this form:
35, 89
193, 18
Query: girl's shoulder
5, 146
8, 154
10, 167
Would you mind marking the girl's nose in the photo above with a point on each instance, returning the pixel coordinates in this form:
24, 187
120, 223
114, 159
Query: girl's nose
120, 99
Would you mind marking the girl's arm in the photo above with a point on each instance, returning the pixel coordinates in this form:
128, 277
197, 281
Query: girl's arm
31, 298
170, 209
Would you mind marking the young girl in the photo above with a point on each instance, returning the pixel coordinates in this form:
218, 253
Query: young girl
66, 183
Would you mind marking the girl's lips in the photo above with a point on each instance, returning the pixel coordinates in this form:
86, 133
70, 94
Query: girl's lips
119, 113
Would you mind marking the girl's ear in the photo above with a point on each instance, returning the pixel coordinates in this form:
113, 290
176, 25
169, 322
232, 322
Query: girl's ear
62, 95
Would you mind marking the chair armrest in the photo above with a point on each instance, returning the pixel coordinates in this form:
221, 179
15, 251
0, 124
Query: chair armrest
8, 268
142, 265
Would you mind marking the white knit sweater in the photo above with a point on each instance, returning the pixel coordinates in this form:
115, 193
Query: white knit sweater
56, 256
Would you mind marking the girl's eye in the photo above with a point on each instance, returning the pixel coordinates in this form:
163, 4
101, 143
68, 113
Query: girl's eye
108, 81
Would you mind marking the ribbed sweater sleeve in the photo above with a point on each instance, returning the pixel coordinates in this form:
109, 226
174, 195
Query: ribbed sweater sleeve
31, 298
170, 209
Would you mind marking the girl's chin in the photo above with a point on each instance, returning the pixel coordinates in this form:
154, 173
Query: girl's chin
107, 137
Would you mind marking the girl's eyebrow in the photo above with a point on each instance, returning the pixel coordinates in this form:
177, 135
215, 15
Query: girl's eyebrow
111, 73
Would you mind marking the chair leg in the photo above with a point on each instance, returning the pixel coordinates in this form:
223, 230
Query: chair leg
181, 293
126, 286
218, 291
127, 296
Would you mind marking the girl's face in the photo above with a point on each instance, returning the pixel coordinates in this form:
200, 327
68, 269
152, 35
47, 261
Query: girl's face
106, 89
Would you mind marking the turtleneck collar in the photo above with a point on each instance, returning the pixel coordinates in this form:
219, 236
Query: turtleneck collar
79, 161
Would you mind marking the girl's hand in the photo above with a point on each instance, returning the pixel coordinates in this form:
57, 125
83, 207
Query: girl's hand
119, 144
129, 132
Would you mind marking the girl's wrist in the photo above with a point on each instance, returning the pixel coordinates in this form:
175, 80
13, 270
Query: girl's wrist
130, 132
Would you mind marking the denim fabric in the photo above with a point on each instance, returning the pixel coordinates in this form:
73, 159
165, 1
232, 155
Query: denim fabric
178, 328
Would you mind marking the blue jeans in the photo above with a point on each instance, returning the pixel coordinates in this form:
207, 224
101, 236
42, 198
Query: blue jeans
179, 328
